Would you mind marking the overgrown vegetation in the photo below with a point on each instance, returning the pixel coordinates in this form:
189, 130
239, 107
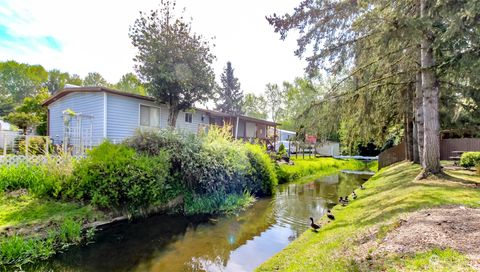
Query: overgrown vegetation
314, 166
389, 194
470, 159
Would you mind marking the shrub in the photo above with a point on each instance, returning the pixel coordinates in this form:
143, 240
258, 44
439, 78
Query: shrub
478, 168
282, 151
261, 176
470, 159
115, 176
206, 163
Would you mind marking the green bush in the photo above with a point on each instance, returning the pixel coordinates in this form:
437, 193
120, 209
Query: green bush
261, 176
282, 151
115, 176
478, 168
470, 159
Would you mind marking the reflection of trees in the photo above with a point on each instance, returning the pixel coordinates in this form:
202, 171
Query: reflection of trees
210, 246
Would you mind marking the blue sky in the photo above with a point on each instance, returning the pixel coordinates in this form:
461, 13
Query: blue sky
92, 36
9, 40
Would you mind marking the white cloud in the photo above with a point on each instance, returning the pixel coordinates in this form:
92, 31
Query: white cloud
94, 36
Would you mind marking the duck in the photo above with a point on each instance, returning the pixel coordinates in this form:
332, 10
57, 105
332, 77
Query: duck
361, 187
314, 226
342, 201
330, 215
346, 199
354, 195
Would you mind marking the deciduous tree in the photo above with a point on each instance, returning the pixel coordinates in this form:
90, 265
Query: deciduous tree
174, 62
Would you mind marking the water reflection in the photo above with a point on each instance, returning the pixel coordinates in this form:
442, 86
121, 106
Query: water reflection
233, 243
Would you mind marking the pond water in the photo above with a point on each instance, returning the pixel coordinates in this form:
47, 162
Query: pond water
225, 243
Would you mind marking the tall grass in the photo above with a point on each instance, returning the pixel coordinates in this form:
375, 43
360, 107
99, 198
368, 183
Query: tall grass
217, 203
19, 250
42, 180
315, 166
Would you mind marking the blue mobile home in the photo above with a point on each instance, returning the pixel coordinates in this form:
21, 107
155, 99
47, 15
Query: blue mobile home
115, 115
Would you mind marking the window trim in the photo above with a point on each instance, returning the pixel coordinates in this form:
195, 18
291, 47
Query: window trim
191, 117
150, 106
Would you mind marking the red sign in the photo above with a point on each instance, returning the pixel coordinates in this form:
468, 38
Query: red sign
311, 139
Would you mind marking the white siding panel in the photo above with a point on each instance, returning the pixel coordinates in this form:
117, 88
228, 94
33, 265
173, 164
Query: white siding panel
196, 123
123, 116
251, 130
85, 103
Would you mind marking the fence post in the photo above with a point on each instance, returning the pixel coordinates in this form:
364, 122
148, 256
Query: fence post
4, 144
26, 145
47, 145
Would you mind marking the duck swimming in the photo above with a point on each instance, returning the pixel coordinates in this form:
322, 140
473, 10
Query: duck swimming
330, 215
314, 226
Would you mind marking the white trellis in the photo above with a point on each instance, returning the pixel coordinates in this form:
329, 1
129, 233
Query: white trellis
77, 132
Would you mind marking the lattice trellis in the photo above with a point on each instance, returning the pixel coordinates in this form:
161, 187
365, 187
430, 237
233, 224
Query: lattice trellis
12, 160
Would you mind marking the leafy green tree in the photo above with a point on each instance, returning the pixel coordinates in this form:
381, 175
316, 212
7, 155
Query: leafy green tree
174, 62
229, 96
131, 84
275, 99
22, 120
75, 80
31, 113
6, 105
297, 96
21, 80
56, 80
255, 106
95, 79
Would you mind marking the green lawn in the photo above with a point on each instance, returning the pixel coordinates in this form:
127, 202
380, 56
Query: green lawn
389, 194
22, 210
26, 209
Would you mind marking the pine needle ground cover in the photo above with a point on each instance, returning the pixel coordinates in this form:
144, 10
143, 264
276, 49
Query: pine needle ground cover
351, 242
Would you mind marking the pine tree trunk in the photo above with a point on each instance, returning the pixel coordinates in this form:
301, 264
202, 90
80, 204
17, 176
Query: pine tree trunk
409, 124
431, 143
419, 117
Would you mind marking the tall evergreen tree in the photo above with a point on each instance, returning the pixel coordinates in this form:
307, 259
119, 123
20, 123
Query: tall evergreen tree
229, 96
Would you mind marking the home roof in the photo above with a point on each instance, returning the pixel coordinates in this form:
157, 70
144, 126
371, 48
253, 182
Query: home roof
67, 91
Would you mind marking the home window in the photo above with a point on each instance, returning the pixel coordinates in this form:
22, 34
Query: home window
188, 117
149, 116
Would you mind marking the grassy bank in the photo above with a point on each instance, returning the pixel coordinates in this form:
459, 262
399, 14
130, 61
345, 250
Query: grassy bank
390, 194
305, 168
35, 228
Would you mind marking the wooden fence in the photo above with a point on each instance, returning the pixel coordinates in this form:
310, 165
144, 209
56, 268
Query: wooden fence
392, 155
462, 144
397, 153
